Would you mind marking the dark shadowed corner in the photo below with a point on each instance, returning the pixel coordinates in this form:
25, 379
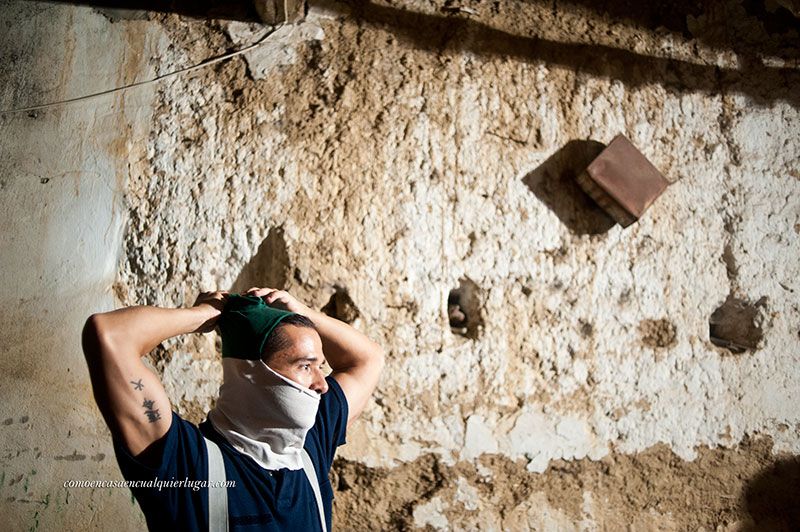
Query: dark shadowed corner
772, 497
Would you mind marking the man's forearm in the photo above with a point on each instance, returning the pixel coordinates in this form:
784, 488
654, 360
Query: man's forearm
344, 346
141, 328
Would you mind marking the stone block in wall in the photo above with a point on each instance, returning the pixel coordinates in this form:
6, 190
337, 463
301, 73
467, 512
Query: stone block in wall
622, 181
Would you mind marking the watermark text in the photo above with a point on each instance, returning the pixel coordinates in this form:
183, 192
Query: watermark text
195, 485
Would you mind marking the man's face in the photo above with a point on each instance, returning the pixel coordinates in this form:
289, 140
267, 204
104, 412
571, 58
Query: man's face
302, 361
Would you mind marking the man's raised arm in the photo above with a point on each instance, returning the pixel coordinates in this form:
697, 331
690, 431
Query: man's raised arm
356, 360
130, 396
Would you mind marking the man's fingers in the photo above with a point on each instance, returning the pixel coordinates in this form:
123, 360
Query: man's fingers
261, 291
272, 296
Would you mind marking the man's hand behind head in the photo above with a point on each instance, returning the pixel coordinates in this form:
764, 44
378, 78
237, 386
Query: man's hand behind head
280, 299
210, 304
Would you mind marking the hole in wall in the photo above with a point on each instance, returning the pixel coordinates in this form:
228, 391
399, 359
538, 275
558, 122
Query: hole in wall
464, 309
341, 306
735, 325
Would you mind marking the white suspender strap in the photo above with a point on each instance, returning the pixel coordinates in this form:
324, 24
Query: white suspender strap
217, 496
311, 474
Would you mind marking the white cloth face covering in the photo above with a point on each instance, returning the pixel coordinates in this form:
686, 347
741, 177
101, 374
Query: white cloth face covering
263, 414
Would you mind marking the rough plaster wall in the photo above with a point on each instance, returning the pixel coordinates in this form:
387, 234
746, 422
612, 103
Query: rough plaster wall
61, 178
393, 151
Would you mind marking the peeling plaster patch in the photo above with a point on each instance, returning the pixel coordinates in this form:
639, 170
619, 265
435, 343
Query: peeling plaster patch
484, 472
541, 438
785, 438
446, 434
279, 49
587, 511
430, 513
467, 495
479, 438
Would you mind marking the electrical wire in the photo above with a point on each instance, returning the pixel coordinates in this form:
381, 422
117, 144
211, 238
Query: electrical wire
156, 79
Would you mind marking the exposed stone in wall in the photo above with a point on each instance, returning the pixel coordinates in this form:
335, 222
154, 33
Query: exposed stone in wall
741, 488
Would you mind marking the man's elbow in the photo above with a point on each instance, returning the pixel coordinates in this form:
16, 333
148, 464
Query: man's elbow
94, 338
370, 361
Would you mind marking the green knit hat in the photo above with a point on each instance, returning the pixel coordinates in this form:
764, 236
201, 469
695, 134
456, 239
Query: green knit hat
245, 323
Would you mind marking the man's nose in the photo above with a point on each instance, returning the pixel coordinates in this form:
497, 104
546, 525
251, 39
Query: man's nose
320, 385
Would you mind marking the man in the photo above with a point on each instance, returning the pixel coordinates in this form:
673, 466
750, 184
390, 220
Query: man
274, 403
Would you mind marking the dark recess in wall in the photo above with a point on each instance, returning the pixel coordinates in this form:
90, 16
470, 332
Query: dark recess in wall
464, 309
734, 325
341, 306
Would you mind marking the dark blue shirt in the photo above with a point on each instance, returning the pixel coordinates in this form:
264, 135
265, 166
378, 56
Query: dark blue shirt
261, 499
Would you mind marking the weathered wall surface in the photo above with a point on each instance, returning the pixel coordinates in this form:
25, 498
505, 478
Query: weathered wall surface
398, 151
62, 173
